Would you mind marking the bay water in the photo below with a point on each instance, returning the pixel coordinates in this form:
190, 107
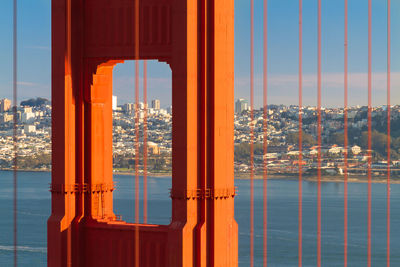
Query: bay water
34, 210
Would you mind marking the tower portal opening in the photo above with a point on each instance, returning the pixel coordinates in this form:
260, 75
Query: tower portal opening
154, 135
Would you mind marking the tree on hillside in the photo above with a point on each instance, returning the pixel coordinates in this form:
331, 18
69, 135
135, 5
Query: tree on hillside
242, 152
336, 138
379, 144
35, 102
378, 141
293, 138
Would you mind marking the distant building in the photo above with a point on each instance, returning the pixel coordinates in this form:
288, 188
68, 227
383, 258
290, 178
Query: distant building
5, 104
335, 149
128, 107
313, 152
29, 129
141, 105
355, 150
4, 118
153, 148
241, 105
293, 153
28, 117
27, 109
155, 104
114, 102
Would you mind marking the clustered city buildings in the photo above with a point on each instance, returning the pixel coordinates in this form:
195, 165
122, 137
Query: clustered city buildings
282, 157
33, 133
283, 151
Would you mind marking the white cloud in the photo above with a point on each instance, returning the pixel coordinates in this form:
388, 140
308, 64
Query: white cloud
21, 83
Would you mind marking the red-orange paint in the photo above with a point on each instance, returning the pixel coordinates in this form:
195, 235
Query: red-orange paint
145, 142
15, 138
388, 139
265, 137
346, 143
369, 131
251, 133
319, 82
88, 39
300, 200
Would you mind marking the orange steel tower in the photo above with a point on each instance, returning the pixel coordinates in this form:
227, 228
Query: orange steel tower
195, 37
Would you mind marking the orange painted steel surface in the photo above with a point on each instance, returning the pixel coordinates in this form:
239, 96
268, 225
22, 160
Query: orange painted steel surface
195, 37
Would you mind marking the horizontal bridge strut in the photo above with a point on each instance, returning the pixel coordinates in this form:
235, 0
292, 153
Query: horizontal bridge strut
200, 193
81, 188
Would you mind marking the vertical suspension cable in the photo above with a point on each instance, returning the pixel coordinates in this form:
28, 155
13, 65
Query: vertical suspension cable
346, 143
388, 141
203, 127
300, 201
136, 10
145, 142
319, 140
136, 160
15, 141
369, 130
252, 134
265, 137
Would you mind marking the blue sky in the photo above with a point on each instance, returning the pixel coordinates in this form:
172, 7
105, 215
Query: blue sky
34, 53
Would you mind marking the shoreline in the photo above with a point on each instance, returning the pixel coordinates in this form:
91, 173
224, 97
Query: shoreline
327, 178
158, 175
246, 176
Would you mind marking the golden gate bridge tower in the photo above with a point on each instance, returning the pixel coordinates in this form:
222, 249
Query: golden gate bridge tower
196, 39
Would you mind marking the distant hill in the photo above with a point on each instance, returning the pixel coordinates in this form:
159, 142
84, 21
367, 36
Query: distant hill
35, 102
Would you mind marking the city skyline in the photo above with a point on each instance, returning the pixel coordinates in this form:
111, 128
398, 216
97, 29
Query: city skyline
150, 104
34, 135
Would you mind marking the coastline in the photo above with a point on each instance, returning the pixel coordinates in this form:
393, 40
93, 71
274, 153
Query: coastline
151, 174
326, 178
246, 176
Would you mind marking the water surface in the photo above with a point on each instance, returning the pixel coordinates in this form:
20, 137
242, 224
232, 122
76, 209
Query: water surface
34, 209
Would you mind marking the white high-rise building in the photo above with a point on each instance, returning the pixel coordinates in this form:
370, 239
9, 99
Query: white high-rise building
114, 102
28, 117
